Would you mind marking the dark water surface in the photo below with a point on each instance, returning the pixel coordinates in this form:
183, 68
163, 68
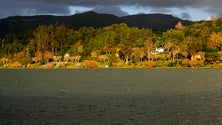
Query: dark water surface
111, 97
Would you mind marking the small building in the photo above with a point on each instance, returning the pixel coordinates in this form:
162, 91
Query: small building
158, 50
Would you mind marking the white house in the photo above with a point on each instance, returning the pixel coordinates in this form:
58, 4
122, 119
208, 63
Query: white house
158, 50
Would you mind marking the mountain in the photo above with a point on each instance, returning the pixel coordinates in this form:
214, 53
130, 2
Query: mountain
160, 22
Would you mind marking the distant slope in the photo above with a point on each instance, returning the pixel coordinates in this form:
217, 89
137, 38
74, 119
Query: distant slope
160, 22
89, 19
19, 24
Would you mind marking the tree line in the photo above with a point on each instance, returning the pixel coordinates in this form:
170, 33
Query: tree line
118, 45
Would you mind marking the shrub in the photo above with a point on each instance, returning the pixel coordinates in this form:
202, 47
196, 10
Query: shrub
160, 63
216, 65
50, 65
186, 63
171, 64
90, 64
16, 65
194, 63
190, 63
163, 56
35, 65
150, 64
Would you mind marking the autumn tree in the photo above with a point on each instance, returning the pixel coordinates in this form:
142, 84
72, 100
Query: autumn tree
126, 50
38, 57
172, 49
179, 26
141, 53
215, 40
76, 48
149, 47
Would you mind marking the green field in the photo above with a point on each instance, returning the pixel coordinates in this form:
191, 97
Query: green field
110, 97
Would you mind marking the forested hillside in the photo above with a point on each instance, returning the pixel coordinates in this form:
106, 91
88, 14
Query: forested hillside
117, 45
20, 24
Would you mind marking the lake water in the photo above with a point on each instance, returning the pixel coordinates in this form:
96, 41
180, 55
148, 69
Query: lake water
111, 96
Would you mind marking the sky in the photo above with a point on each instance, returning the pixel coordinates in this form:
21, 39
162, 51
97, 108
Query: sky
195, 10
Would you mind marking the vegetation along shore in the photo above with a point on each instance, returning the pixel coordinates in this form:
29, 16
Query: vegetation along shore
117, 45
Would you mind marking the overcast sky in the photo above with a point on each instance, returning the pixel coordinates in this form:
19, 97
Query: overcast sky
185, 9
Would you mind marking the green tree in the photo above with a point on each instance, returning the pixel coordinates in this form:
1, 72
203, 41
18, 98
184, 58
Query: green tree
194, 45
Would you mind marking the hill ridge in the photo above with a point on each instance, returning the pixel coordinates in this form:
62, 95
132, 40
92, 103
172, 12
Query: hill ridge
160, 22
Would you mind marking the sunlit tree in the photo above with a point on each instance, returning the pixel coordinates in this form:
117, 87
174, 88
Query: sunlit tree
215, 40
149, 47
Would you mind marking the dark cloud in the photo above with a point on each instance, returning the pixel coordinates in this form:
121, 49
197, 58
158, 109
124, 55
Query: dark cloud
185, 15
9, 7
12, 7
215, 11
42, 8
152, 3
110, 10
28, 7
160, 10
